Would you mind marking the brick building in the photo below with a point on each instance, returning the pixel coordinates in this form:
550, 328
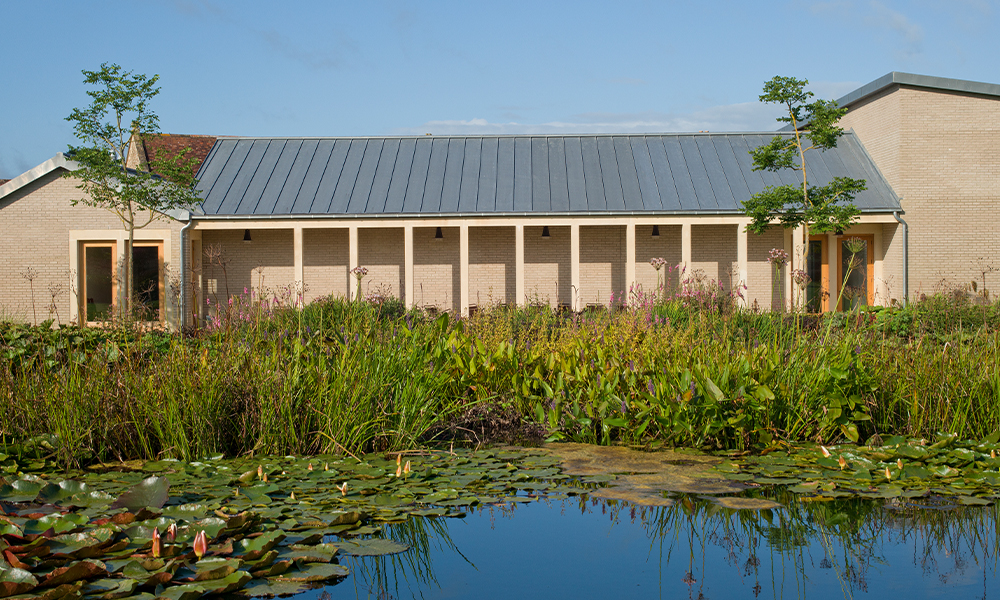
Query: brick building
463, 221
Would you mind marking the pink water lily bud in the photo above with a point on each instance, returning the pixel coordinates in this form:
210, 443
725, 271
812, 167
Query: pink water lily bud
156, 543
841, 462
343, 489
406, 468
310, 467
899, 463
399, 459
260, 471
292, 496
826, 452
200, 544
171, 533
887, 474
399, 470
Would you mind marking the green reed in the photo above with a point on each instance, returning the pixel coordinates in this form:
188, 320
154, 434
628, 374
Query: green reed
348, 377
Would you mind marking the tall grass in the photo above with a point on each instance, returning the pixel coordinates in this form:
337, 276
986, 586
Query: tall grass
350, 377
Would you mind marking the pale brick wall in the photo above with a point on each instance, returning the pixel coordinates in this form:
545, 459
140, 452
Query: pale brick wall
492, 266
380, 250
546, 265
436, 268
37, 220
667, 247
759, 271
948, 175
325, 258
263, 267
602, 265
713, 252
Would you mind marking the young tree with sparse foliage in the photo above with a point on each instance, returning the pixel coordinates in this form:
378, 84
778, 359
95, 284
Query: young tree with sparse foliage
822, 208
120, 108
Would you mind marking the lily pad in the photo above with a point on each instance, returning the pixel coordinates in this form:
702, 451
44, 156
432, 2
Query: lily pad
152, 492
371, 547
313, 572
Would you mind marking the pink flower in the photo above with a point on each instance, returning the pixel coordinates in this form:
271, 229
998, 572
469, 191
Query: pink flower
200, 544
156, 543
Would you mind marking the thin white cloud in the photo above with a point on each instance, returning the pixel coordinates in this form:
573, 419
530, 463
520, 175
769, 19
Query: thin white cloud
749, 116
911, 33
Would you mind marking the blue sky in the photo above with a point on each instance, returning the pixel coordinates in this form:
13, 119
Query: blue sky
397, 67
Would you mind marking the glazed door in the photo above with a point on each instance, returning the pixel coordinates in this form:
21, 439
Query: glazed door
818, 269
857, 270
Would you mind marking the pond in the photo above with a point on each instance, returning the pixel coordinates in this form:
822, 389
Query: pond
568, 520
604, 549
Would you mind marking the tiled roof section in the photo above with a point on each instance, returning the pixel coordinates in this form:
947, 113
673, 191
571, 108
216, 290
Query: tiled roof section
171, 144
513, 175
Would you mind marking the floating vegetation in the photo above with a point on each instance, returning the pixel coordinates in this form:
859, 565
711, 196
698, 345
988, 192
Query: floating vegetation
968, 472
257, 527
645, 478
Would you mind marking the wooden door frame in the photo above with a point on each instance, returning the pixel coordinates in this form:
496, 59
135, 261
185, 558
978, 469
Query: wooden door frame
82, 299
870, 264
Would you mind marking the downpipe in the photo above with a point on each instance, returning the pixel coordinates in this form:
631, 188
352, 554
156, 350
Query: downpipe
182, 321
906, 256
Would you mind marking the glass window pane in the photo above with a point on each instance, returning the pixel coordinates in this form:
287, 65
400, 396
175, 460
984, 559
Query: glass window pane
855, 268
146, 281
99, 285
814, 268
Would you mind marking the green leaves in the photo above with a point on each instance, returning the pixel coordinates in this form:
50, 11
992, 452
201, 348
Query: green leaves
823, 208
150, 493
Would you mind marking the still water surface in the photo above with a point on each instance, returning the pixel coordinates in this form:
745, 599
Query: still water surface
579, 548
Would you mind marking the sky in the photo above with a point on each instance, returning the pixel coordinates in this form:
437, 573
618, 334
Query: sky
331, 68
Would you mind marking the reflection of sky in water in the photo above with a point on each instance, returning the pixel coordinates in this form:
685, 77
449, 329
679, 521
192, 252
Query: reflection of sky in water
555, 551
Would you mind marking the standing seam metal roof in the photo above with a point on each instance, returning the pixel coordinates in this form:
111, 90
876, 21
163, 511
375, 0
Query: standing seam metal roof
494, 175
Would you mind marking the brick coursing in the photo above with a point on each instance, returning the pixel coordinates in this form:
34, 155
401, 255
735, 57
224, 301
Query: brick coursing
938, 150
37, 222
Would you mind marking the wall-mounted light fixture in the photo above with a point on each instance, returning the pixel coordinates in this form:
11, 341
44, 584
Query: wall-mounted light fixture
246, 236
438, 234
545, 232
656, 231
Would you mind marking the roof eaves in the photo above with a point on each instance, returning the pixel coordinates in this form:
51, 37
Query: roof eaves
924, 81
491, 215
59, 161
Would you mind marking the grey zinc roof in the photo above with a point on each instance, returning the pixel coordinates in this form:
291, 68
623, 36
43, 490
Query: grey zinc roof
496, 175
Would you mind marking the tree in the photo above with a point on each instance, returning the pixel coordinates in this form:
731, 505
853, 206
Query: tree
823, 208
119, 110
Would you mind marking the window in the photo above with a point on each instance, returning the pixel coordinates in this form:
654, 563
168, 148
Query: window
99, 280
100, 275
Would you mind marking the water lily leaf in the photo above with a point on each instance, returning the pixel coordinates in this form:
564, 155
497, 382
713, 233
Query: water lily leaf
208, 569
186, 512
256, 547
974, 501
211, 526
313, 572
151, 492
110, 589
272, 587
745, 503
321, 553
89, 499
272, 570
55, 493
371, 547
20, 491
84, 569
15, 581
